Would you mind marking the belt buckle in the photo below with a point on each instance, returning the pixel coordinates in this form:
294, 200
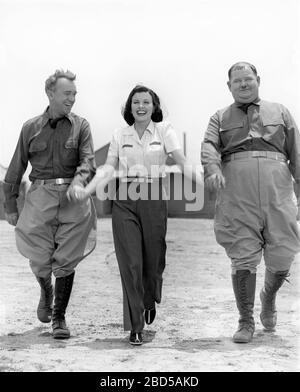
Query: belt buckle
59, 181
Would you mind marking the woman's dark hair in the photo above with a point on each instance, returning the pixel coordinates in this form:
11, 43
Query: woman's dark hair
157, 114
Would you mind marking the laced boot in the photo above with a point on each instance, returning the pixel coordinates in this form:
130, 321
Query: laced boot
63, 288
273, 282
44, 309
244, 290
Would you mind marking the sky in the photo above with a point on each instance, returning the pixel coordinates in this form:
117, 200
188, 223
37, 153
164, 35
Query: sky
182, 49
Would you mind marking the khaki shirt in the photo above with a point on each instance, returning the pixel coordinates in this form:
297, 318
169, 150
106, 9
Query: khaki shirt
145, 157
64, 152
266, 126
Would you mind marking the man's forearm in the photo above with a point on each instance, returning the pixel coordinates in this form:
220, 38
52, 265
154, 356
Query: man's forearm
11, 193
211, 159
84, 172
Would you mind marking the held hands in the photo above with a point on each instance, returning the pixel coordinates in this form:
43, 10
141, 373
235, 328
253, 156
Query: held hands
12, 218
76, 193
215, 181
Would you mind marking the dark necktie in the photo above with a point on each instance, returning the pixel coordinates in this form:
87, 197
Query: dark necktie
244, 107
53, 121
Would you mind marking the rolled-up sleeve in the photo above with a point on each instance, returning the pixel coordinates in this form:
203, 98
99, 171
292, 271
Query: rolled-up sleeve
292, 144
15, 172
171, 141
86, 169
210, 147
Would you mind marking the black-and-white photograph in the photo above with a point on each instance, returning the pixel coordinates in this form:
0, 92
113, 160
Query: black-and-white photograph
149, 188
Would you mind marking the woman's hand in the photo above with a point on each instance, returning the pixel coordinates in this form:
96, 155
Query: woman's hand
80, 193
77, 193
215, 181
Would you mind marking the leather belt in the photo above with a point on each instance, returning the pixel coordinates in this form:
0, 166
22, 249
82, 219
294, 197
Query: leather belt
57, 181
278, 156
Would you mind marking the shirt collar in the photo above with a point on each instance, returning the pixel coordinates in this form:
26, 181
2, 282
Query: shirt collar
46, 117
151, 127
256, 102
131, 130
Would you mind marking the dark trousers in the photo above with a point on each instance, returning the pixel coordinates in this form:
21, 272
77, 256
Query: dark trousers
139, 230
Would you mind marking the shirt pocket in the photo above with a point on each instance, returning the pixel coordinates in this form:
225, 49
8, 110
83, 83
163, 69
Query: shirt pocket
232, 133
127, 150
71, 152
128, 155
274, 129
155, 146
155, 153
37, 147
38, 154
125, 146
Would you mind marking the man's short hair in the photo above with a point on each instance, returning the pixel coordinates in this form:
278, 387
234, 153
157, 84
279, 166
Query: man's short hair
241, 65
59, 73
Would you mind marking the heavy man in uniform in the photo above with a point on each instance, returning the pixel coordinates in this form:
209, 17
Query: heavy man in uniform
250, 152
54, 231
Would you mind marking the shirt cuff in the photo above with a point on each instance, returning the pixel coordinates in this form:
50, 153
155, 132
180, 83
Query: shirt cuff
10, 206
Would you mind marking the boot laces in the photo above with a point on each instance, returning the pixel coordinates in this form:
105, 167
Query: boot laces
243, 292
248, 326
280, 278
284, 276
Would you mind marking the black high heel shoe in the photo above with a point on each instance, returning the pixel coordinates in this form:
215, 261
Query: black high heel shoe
136, 338
150, 315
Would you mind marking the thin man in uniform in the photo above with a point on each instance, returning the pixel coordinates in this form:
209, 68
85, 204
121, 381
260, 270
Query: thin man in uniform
53, 231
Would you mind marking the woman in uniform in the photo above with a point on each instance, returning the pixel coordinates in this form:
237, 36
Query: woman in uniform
139, 213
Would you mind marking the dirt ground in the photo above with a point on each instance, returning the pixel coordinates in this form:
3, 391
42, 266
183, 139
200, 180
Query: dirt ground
194, 324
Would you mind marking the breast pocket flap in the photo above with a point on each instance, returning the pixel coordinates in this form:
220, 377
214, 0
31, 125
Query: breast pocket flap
71, 143
231, 126
272, 121
37, 146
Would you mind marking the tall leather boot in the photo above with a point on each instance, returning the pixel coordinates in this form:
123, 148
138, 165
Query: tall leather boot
45, 306
63, 288
244, 289
273, 282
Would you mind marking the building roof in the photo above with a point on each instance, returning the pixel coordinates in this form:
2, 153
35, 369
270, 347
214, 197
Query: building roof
2, 172
101, 154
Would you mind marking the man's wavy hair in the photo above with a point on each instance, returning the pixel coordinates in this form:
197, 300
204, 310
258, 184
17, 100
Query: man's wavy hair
241, 65
157, 115
59, 73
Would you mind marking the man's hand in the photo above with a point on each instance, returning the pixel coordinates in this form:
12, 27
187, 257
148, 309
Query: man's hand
12, 218
215, 181
76, 193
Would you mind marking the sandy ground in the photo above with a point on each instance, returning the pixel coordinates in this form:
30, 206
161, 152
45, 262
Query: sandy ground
194, 324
